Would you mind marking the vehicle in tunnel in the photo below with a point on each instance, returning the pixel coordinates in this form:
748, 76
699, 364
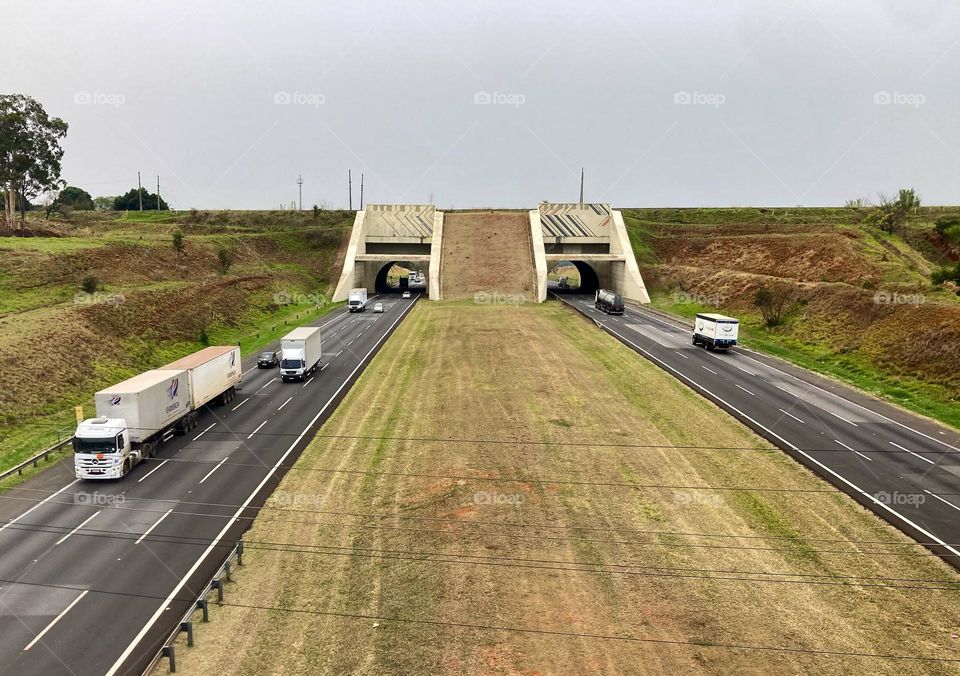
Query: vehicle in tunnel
572, 276
399, 276
609, 302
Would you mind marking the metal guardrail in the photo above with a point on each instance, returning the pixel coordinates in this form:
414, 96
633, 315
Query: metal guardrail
186, 624
35, 460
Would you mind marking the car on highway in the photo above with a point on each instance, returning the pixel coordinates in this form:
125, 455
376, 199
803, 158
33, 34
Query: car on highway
268, 360
406, 294
378, 307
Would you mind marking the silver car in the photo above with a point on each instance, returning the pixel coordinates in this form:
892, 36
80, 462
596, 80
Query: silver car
378, 307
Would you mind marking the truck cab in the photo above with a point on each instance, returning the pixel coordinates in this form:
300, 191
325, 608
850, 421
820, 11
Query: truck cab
292, 364
102, 449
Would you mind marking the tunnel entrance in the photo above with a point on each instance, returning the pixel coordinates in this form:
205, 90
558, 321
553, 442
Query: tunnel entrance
400, 276
572, 277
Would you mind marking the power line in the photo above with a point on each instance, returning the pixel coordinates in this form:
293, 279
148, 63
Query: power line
509, 629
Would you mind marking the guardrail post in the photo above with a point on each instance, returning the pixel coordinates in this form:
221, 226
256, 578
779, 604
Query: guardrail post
187, 627
168, 652
240, 553
226, 570
204, 606
218, 585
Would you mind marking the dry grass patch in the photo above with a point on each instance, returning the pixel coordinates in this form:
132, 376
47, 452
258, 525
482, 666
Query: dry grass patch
387, 555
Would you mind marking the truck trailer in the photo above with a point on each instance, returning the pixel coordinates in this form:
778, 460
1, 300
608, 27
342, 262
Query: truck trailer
357, 300
609, 302
300, 353
137, 415
712, 331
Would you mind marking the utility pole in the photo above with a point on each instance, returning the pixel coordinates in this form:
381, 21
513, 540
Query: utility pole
350, 188
361, 191
158, 192
581, 185
300, 186
140, 191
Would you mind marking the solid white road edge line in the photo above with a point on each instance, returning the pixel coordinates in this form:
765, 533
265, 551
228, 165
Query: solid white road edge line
796, 449
150, 529
39, 504
55, 620
216, 541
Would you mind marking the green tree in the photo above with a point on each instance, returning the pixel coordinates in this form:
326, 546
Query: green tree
103, 203
75, 198
774, 303
130, 201
30, 152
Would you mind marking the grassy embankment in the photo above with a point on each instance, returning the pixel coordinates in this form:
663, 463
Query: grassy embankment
864, 310
476, 477
153, 303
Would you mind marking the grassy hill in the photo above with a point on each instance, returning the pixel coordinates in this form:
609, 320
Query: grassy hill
152, 303
861, 306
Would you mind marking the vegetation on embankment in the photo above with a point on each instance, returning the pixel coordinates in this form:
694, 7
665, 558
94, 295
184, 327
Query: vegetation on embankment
860, 305
104, 295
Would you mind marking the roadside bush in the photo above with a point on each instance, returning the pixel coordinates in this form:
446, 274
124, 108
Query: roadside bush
946, 274
224, 260
90, 284
178, 241
945, 222
774, 303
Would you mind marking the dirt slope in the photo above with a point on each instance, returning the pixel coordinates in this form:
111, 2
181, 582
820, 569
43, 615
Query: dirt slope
487, 252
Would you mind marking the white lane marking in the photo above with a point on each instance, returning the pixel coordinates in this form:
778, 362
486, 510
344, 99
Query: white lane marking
743, 352
912, 453
240, 404
783, 390
215, 543
745, 390
307, 383
869, 497
835, 415
281, 407
204, 432
338, 354
85, 522
153, 470
150, 529
39, 504
213, 470
681, 354
792, 416
257, 430
350, 343
55, 620
325, 366
854, 450
934, 495
707, 369
267, 383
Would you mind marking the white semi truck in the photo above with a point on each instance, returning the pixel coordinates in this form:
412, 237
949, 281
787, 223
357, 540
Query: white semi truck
300, 353
357, 300
134, 417
712, 330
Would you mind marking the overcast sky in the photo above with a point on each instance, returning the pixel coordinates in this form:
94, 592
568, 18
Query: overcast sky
488, 103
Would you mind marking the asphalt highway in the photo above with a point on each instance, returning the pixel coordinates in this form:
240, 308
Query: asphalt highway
903, 467
95, 575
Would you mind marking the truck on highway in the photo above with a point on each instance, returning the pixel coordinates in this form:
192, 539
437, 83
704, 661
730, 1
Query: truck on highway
137, 415
357, 300
609, 302
712, 330
300, 353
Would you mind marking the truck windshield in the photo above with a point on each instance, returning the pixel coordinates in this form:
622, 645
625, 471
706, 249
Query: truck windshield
291, 364
94, 445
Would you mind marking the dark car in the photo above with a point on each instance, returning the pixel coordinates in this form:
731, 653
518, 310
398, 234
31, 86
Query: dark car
268, 360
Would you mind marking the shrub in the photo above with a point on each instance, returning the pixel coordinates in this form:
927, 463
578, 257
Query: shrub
178, 241
224, 260
946, 274
774, 303
90, 284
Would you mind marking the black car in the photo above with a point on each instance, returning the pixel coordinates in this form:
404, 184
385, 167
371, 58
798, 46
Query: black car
268, 360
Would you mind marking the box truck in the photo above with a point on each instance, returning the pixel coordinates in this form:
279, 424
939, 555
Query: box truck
300, 353
134, 417
357, 300
609, 302
712, 330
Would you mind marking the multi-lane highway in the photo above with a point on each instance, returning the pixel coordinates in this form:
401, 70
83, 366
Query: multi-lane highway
94, 576
903, 467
